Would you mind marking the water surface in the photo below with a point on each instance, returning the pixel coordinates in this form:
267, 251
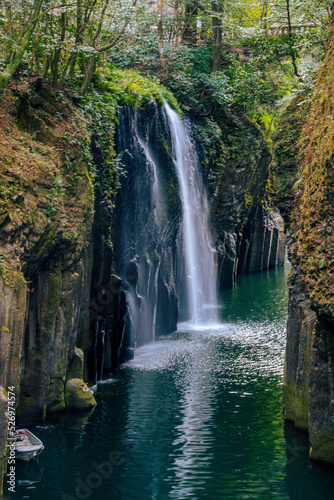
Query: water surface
196, 415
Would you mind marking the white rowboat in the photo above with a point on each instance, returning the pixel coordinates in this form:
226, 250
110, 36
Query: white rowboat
27, 445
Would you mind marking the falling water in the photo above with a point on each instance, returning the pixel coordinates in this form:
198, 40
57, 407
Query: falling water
99, 349
200, 301
145, 148
155, 298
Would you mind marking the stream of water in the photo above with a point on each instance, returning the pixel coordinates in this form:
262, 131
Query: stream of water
197, 248
196, 415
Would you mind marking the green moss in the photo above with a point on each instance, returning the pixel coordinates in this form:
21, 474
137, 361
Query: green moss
56, 407
302, 409
10, 273
313, 220
156, 257
248, 199
26, 403
129, 88
33, 356
78, 396
286, 146
3, 469
172, 193
53, 297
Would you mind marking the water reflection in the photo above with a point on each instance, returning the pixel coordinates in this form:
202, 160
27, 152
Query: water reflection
193, 447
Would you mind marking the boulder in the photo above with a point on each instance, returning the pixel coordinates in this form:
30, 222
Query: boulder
78, 396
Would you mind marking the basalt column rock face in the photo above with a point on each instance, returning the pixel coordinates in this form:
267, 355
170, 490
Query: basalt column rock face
146, 222
321, 406
109, 341
56, 318
300, 333
309, 372
249, 231
12, 318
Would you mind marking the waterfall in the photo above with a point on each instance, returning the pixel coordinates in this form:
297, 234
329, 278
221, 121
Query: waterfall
198, 253
99, 349
162, 244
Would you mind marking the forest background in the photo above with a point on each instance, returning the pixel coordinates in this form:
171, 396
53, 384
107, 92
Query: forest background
253, 54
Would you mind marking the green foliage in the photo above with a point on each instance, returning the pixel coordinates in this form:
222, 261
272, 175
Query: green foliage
303, 149
129, 88
55, 196
114, 88
258, 66
8, 272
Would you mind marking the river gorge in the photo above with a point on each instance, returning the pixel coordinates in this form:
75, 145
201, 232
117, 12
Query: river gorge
160, 280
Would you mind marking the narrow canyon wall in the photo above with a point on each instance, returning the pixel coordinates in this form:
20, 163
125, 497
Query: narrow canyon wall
303, 179
46, 218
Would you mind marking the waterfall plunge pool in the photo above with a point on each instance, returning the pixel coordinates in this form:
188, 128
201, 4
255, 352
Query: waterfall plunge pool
196, 415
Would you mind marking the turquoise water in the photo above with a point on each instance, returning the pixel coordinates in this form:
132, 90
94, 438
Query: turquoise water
196, 415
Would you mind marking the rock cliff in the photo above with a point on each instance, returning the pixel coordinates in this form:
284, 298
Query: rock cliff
308, 184
46, 251
248, 228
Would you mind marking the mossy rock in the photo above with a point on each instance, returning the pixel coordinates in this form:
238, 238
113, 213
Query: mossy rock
75, 370
78, 396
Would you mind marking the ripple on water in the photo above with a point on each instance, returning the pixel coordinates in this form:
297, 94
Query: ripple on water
247, 349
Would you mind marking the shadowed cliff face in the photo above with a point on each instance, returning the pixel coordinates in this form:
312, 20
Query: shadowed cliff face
146, 222
46, 215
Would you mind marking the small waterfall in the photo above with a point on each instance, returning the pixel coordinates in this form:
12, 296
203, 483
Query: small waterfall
139, 214
145, 148
155, 298
200, 275
99, 349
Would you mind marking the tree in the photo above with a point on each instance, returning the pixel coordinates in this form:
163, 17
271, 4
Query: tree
24, 39
217, 7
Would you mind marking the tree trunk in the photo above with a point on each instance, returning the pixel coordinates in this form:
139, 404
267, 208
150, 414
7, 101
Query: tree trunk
58, 50
189, 35
264, 14
88, 74
10, 69
161, 32
78, 40
217, 35
291, 43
